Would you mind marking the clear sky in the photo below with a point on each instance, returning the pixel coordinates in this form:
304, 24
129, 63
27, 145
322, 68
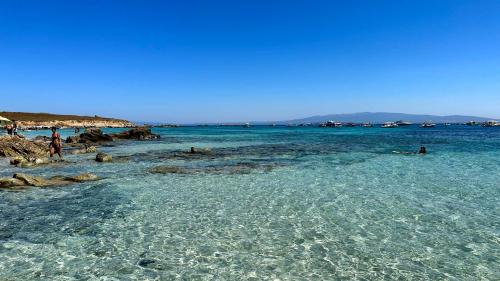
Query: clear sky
190, 61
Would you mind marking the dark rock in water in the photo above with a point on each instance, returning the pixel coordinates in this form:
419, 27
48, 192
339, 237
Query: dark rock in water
42, 139
21, 180
170, 170
94, 135
238, 168
73, 139
140, 133
146, 262
103, 157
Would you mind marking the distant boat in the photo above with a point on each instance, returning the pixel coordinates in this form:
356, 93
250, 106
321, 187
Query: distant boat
333, 124
389, 125
427, 125
491, 123
367, 125
447, 124
350, 124
246, 125
471, 123
403, 123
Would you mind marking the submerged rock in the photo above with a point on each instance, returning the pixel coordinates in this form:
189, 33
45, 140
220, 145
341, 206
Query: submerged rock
11, 183
78, 178
140, 133
85, 149
170, 170
103, 157
20, 180
238, 168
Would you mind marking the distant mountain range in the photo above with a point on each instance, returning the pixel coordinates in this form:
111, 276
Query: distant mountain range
380, 117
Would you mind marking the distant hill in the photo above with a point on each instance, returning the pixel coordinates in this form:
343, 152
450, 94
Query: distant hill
28, 119
380, 117
40, 117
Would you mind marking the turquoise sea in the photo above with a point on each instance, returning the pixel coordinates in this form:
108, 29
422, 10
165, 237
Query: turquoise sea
282, 203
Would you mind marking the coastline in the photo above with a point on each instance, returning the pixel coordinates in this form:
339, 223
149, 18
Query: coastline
34, 121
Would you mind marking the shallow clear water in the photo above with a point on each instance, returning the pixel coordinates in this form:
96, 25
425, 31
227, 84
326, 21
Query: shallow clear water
268, 203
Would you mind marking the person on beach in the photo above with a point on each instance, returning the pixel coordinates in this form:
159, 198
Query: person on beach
55, 144
14, 127
9, 129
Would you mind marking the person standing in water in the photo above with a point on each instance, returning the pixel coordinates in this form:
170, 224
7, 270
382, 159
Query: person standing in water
14, 127
55, 144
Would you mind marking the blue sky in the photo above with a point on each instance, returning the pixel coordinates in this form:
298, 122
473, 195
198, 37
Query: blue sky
214, 61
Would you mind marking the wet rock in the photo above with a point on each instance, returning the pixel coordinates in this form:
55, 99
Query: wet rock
30, 162
32, 180
78, 178
238, 168
170, 170
11, 183
85, 149
140, 133
20, 180
103, 157
42, 139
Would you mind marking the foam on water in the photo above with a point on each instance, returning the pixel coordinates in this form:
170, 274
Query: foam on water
337, 204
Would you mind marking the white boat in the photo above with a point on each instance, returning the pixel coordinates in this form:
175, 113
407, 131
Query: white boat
367, 125
389, 125
427, 125
471, 123
491, 123
333, 124
403, 123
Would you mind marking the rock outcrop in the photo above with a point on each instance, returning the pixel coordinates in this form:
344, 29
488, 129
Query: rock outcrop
103, 157
90, 136
139, 133
21, 181
96, 136
22, 151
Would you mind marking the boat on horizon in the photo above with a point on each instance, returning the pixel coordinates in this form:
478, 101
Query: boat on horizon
367, 125
427, 125
332, 124
491, 123
471, 123
389, 125
403, 123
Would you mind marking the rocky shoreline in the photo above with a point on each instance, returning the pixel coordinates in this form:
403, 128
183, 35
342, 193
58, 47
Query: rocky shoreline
25, 153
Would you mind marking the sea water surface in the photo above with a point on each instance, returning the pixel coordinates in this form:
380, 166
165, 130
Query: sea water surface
284, 203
